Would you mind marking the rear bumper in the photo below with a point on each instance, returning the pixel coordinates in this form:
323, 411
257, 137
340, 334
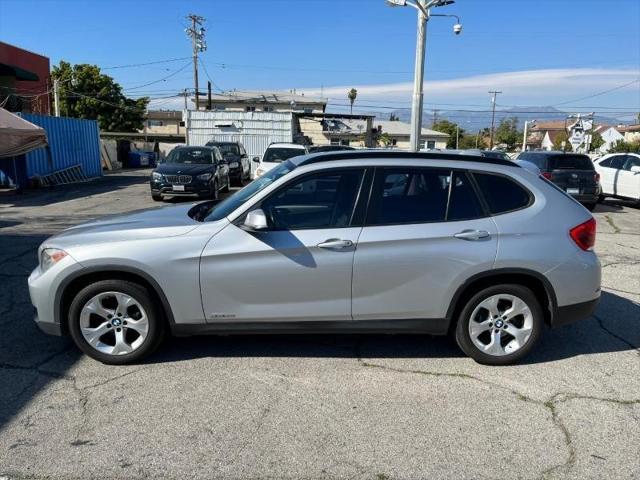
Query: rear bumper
586, 198
572, 313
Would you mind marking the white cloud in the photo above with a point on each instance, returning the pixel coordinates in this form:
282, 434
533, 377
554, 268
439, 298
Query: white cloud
532, 86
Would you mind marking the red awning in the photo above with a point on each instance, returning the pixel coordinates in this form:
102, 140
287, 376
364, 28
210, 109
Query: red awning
17, 136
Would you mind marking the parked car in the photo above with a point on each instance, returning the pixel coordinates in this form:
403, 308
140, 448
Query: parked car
236, 156
572, 172
364, 241
329, 148
275, 154
199, 171
619, 176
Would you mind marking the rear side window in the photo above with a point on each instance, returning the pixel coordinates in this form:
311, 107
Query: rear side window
463, 201
616, 161
501, 194
409, 196
539, 161
570, 162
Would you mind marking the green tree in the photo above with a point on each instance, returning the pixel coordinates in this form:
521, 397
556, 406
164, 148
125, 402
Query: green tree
507, 133
384, 139
560, 138
625, 147
85, 92
450, 128
352, 95
468, 141
596, 141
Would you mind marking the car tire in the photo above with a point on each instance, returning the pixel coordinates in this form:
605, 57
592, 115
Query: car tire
600, 198
156, 198
499, 346
590, 206
130, 344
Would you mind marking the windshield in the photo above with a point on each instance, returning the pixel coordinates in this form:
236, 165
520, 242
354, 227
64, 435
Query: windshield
228, 148
231, 203
570, 162
190, 156
280, 154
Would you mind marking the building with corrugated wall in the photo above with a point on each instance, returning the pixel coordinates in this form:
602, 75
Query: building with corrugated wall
72, 141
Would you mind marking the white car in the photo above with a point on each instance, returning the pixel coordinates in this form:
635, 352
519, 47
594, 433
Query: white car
619, 175
275, 154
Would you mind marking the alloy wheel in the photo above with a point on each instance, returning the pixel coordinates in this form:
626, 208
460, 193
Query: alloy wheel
114, 323
501, 324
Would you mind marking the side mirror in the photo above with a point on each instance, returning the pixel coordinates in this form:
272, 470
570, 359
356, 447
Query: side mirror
256, 159
256, 220
635, 169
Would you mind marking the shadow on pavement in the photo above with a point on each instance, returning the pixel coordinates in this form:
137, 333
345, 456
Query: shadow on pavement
62, 193
619, 317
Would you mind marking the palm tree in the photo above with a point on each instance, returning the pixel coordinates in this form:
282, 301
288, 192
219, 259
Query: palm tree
351, 95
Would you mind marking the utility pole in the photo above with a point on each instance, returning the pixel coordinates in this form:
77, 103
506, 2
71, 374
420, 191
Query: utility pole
493, 117
185, 99
418, 79
435, 118
208, 95
457, 135
196, 33
56, 99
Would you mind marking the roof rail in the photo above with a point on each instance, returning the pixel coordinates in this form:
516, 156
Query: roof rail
356, 154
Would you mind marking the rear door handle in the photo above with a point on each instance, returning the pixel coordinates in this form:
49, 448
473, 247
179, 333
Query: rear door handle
472, 234
336, 244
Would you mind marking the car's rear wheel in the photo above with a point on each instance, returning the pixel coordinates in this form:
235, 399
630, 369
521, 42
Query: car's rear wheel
115, 322
499, 325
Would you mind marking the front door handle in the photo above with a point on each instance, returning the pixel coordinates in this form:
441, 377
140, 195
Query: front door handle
472, 234
336, 244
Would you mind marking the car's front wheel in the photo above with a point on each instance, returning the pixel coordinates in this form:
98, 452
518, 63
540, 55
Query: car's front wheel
115, 322
156, 198
499, 325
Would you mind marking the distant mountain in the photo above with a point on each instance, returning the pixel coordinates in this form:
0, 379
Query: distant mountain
474, 121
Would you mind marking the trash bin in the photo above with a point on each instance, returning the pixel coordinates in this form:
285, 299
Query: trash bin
142, 159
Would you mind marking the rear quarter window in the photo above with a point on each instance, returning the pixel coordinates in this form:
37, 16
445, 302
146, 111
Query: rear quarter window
501, 193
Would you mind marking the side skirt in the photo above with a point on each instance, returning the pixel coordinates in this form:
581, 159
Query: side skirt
434, 326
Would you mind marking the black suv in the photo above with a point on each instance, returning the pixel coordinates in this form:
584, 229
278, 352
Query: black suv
197, 171
236, 156
572, 172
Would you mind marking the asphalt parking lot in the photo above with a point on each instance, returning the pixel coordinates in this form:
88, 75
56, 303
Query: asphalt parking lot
289, 407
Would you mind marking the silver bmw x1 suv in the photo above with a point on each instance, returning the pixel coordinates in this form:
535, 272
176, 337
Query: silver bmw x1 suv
360, 241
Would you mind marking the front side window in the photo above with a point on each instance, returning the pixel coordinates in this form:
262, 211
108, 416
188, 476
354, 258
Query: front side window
229, 204
631, 161
322, 200
617, 161
501, 194
404, 195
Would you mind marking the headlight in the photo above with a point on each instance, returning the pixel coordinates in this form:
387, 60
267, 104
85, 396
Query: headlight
156, 177
234, 165
49, 257
260, 172
205, 176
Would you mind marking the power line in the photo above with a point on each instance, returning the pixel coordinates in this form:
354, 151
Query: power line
173, 74
169, 60
599, 93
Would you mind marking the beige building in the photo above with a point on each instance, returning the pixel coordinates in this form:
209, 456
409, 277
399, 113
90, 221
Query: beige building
631, 133
164, 122
364, 131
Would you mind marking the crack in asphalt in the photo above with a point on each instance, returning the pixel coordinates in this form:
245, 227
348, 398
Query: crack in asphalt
550, 404
615, 335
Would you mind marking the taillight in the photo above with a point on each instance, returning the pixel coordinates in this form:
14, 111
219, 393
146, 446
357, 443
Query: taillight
584, 234
547, 175
596, 177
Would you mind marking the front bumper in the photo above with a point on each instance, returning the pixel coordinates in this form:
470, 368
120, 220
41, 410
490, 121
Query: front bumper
193, 188
44, 289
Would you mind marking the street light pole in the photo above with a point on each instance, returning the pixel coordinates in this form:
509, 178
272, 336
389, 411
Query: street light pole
418, 79
424, 13
524, 137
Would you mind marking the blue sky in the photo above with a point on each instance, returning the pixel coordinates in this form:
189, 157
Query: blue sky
538, 52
